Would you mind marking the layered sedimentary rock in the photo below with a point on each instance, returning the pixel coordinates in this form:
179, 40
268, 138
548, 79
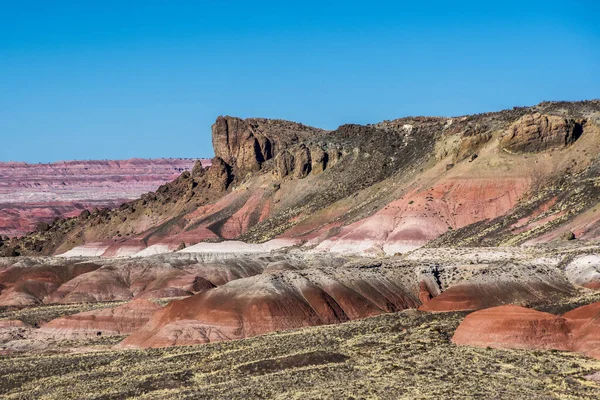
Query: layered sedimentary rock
119, 320
246, 144
31, 194
286, 296
76, 282
476, 278
477, 295
273, 302
22, 285
515, 327
232, 296
384, 188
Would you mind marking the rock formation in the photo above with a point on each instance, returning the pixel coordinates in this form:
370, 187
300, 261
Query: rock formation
537, 132
28, 285
75, 282
246, 144
476, 295
381, 188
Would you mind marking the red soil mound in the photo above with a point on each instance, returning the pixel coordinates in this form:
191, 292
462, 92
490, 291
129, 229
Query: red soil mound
122, 282
21, 286
476, 296
112, 321
585, 324
267, 303
513, 327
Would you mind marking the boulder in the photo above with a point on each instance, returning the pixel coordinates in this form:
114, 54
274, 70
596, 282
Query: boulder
568, 235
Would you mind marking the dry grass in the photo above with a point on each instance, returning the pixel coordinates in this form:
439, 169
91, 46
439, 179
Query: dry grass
33, 315
402, 355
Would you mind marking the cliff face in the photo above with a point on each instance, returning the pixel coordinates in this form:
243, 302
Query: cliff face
537, 132
247, 144
34, 193
509, 177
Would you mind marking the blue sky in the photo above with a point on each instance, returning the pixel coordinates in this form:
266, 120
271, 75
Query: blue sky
121, 79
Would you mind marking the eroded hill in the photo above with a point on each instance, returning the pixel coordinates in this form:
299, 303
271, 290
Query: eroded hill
525, 175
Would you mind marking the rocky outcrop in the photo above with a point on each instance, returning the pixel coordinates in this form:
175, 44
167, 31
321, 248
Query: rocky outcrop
367, 189
218, 175
246, 143
301, 160
537, 132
